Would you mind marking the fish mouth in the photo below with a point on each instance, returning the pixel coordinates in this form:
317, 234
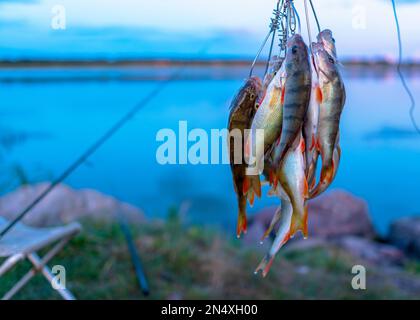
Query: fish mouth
296, 39
325, 34
255, 82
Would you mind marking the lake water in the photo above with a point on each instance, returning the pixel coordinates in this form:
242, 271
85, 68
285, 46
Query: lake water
49, 116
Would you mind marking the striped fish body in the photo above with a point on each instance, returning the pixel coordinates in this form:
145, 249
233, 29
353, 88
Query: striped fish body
293, 181
297, 91
241, 114
331, 108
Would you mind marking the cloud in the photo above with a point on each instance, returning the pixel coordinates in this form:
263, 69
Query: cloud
240, 25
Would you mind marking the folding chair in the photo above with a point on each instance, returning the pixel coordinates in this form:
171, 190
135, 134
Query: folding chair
23, 242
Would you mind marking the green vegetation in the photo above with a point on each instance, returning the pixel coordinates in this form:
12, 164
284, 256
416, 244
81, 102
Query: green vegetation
196, 263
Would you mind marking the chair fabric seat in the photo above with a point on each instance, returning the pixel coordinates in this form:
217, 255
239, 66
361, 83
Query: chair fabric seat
22, 239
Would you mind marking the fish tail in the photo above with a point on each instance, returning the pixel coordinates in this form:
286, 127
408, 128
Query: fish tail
242, 219
252, 187
305, 222
273, 223
274, 181
327, 176
265, 265
299, 220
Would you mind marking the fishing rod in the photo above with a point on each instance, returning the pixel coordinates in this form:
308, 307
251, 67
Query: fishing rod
399, 70
135, 257
95, 146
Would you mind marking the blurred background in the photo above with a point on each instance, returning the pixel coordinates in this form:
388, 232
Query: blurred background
70, 69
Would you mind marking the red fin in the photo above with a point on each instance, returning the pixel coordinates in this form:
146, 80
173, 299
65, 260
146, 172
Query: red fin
286, 238
305, 222
283, 91
275, 182
245, 186
302, 145
317, 145
242, 225
268, 267
313, 183
305, 189
251, 199
313, 143
265, 265
271, 177
318, 95
256, 185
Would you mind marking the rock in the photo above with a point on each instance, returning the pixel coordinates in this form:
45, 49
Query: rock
299, 244
64, 205
263, 218
252, 238
332, 215
370, 251
338, 214
405, 234
174, 296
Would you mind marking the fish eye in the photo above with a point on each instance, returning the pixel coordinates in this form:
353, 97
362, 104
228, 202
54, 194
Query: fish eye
331, 60
252, 96
294, 49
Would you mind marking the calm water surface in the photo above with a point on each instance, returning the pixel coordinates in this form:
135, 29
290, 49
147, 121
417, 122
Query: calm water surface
49, 116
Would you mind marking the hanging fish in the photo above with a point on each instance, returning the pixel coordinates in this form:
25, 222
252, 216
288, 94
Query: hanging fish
331, 107
326, 38
273, 67
268, 118
297, 92
282, 195
292, 179
242, 111
310, 129
283, 235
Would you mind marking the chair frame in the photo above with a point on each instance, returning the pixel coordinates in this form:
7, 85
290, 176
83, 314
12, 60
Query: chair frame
39, 265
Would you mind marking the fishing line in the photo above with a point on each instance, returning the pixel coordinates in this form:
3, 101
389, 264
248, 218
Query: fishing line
316, 16
274, 26
399, 69
308, 26
95, 146
275, 23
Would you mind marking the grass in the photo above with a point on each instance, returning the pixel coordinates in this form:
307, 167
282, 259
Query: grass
196, 263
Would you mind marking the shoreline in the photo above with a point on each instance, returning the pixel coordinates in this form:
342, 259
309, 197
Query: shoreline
165, 63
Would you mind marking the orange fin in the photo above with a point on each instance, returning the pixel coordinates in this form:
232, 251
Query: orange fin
318, 145
265, 265
283, 93
318, 95
302, 145
313, 143
305, 189
246, 185
298, 224
242, 225
305, 223
251, 199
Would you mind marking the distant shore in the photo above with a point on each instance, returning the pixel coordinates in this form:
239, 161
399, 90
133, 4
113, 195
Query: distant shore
164, 63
